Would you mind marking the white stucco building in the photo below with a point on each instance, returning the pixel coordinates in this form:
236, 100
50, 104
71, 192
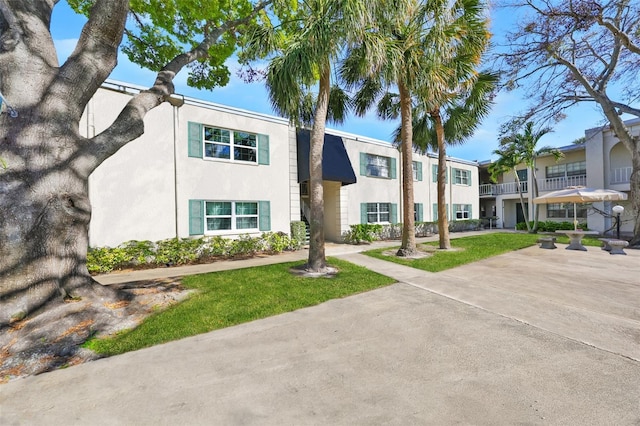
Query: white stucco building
206, 169
602, 161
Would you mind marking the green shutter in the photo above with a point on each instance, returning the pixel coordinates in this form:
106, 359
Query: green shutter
195, 139
264, 215
419, 170
392, 167
393, 213
435, 213
196, 217
419, 212
363, 213
363, 164
434, 173
263, 149
469, 177
470, 211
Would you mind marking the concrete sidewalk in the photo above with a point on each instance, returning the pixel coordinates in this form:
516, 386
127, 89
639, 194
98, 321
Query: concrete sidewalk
530, 337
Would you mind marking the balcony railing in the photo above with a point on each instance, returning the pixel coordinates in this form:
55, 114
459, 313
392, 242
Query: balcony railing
554, 184
622, 175
488, 189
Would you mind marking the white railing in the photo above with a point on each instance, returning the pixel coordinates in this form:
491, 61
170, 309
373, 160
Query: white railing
502, 188
487, 189
554, 184
622, 175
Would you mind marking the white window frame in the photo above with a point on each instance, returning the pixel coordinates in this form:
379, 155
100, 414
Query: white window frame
233, 217
414, 168
461, 177
380, 164
378, 212
462, 211
229, 139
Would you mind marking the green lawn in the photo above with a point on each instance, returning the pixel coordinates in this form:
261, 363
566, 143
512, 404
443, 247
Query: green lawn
471, 249
232, 297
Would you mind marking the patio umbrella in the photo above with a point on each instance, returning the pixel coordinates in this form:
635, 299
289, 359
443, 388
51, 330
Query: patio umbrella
579, 194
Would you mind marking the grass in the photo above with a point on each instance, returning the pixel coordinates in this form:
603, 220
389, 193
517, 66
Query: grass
471, 249
233, 297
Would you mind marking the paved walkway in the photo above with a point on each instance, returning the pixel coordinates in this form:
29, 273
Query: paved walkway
530, 337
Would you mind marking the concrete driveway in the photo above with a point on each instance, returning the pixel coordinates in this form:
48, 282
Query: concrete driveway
530, 337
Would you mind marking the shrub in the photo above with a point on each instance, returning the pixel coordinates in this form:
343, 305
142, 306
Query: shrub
551, 226
178, 251
245, 246
363, 232
298, 234
276, 242
101, 260
139, 252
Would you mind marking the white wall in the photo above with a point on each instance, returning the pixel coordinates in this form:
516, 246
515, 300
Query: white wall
221, 180
131, 193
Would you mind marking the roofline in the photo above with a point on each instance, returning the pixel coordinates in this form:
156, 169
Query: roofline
178, 100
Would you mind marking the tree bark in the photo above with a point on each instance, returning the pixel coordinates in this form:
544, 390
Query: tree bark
408, 246
317, 260
443, 221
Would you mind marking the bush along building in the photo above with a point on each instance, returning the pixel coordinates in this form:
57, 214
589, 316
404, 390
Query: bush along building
601, 161
204, 169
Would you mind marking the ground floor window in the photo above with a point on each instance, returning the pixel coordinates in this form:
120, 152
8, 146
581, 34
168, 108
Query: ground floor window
231, 215
378, 212
565, 211
462, 211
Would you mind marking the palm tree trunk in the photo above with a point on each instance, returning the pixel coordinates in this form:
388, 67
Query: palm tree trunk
525, 213
317, 260
443, 222
408, 246
536, 209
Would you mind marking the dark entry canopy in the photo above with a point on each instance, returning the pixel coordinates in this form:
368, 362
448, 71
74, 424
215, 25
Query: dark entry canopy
336, 165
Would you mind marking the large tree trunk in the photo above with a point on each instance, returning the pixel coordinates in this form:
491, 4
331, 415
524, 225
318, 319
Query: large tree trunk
317, 260
634, 195
408, 246
44, 205
44, 224
443, 222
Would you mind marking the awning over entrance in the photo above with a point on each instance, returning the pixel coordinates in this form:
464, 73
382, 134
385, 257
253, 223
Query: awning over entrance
336, 165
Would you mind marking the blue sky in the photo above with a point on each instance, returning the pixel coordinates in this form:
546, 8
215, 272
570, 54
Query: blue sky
66, 27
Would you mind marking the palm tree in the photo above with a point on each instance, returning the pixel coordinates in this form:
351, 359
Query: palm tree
313, 43
453, 123
521, 148
424, 49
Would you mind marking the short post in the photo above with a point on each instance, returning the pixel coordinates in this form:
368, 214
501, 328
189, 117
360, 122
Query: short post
618, 211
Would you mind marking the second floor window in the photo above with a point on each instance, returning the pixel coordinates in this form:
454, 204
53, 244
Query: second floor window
462, 177
578, 168
378, 166
230, 145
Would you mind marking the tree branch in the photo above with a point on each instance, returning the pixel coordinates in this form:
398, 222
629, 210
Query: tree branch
129, 124
12, 37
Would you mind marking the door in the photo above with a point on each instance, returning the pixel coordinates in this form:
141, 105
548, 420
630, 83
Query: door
519, 213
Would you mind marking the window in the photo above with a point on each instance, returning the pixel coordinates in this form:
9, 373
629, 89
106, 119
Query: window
378, 213
578, 168
565, 211
418, 214
230, 215
220, 143
462, 177
462, 211
417, 170
435, 211
378, 166
434, 174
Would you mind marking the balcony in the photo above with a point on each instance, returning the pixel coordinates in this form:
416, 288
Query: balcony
492, 190
622, 175
554, 184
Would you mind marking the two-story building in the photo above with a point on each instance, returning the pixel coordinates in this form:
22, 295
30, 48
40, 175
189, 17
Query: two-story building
602, 161
206, 169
